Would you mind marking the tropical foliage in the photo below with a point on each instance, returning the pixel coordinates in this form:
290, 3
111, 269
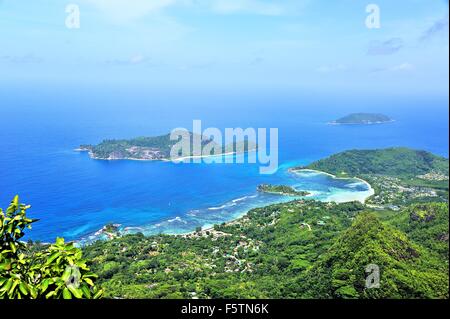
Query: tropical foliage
426, 224
48, 271
406, 270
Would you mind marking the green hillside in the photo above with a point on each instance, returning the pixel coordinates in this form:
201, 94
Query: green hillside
426, 224
406, 269
398, 162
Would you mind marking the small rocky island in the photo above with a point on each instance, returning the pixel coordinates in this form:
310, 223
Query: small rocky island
110, 231
157, 148
362, 118
280, 190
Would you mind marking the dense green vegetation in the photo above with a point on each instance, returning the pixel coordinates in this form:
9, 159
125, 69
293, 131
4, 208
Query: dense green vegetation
363, 118
39, 271
399, 176
426, 224
157, 147
260, 255
397, 162
281, 189
407, 270
301, 249
120, 147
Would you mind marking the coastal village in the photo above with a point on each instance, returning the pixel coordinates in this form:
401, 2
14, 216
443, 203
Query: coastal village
392, 192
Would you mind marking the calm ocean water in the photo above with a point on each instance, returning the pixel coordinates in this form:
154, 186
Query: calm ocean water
75, 196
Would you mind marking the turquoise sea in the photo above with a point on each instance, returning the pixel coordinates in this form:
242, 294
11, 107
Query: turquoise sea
74, 196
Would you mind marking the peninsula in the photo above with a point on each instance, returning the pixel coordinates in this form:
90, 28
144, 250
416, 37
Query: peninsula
399, 175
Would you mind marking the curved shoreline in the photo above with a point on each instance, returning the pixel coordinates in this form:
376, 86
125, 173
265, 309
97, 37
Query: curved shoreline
209, 227
370, 188
175, 160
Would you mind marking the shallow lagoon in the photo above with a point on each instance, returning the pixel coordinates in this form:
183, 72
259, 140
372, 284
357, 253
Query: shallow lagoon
321, 187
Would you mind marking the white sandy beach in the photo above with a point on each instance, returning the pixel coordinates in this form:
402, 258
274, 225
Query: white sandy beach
344, 197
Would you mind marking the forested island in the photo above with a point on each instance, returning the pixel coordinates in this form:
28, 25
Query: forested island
299, 249
158, 148
280, 190
363, 118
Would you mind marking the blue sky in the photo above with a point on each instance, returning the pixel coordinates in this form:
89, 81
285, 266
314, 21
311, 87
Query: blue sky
299, 44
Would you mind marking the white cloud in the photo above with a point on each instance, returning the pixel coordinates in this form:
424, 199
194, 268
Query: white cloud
402, 67
133, 60
247, 6
439, 27
22, 59
136, 59
387, 47
331, 68
127, 10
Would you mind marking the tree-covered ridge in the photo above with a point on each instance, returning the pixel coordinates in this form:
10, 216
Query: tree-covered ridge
398, 162
363, 118
157, 147
406, 269
427, 224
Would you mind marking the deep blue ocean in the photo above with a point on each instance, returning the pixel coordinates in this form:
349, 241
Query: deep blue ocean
74, 196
